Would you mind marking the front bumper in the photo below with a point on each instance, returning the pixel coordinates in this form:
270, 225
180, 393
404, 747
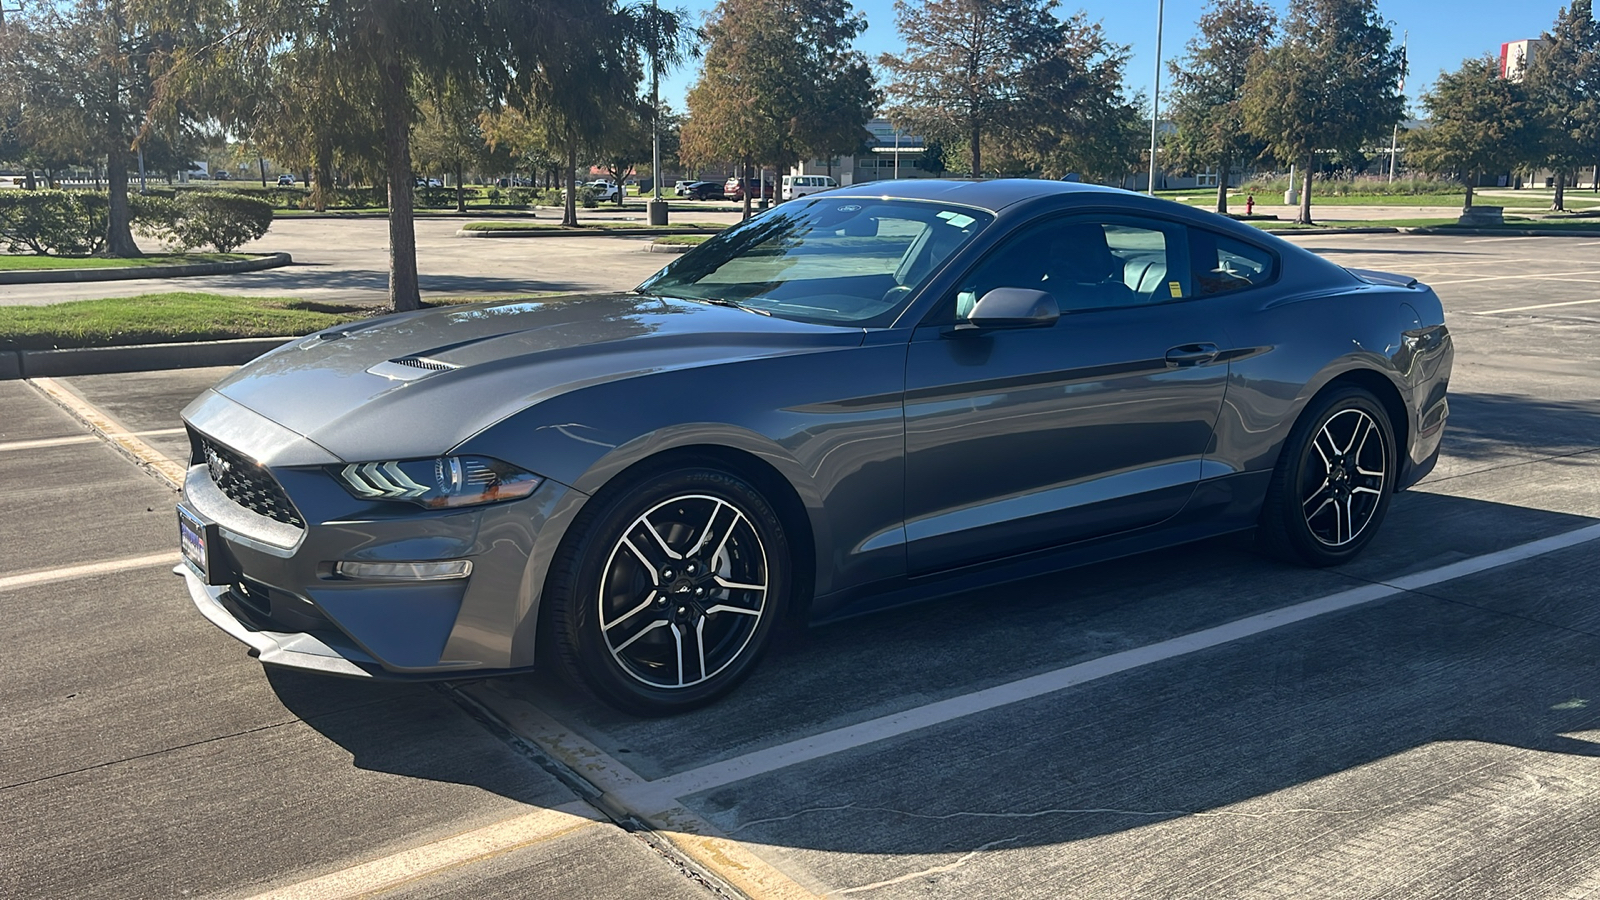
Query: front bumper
278, 591
284, 600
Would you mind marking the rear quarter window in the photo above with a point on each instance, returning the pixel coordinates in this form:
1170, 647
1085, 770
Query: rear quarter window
1223, 264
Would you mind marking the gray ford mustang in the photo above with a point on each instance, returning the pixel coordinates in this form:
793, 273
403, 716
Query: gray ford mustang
849, 402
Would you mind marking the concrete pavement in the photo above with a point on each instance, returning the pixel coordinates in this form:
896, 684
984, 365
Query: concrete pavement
1437, 739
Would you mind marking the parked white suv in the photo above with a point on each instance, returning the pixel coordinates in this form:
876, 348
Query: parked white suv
801, 185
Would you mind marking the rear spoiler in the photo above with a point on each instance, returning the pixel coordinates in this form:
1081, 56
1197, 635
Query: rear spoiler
1371, 276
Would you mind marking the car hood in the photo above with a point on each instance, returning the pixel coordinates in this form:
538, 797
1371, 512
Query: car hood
417, 384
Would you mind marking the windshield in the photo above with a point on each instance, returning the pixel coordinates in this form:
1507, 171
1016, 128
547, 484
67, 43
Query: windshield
832, 260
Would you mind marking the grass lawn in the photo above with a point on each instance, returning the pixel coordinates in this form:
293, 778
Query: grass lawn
182, 316
9, 263
584, 226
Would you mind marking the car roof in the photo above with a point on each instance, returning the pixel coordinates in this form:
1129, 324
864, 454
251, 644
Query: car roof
992, 195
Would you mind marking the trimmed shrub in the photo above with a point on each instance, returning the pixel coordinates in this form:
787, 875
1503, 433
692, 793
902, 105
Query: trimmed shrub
200, 219
53, 223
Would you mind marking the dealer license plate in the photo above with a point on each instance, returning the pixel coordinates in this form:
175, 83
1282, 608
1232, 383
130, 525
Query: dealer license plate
192, 541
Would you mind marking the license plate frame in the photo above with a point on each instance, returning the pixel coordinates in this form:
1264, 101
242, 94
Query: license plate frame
198, 541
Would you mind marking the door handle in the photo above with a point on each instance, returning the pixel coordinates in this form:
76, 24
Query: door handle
1192, 354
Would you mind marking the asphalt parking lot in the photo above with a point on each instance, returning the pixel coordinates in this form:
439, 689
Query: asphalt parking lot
1200, 722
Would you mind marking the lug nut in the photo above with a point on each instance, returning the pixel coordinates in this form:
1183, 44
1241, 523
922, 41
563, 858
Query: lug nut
666, 573
682, 610
699, 592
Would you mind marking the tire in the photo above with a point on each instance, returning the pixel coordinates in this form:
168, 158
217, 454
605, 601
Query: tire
670, 593
1333, 482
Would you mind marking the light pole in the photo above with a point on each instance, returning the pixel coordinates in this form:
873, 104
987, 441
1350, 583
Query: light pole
658, 207
1155, 99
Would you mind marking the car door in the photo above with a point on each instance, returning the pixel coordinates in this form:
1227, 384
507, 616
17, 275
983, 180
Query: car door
1022, 439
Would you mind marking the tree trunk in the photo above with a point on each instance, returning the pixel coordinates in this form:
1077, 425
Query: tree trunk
1467, 206
1222, 188
1304, 216
263, 164
461, 190
322, 187
977, 152
119, 218
1561, 192
1594, 181
569, 210
744, 189
31, 184
404, 292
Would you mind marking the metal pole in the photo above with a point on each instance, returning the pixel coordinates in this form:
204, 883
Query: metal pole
1394, 148
897, 153
655, 105
657, 206
1155, 99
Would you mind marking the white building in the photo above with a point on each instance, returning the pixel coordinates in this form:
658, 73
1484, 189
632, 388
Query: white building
890, 153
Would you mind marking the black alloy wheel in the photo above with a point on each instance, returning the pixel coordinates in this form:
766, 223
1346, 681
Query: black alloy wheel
1333, 483
670, 593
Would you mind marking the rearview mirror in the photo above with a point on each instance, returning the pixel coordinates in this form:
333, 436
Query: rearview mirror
1009, 307
861, 226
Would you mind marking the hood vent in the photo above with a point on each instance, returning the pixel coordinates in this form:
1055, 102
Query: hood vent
423, 362
410, 368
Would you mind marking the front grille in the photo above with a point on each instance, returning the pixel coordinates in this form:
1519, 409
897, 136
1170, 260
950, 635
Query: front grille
248, 484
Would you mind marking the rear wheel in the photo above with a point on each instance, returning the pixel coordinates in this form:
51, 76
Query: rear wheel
1333, 482
669, 595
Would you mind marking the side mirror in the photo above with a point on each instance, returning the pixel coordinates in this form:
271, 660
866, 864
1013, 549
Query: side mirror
1008, 307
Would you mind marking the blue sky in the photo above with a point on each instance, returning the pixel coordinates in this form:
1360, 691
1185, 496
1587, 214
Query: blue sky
1443, 33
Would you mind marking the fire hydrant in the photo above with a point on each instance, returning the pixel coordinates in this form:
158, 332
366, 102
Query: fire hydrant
1249, 204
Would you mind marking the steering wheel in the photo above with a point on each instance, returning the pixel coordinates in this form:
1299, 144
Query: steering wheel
895, 294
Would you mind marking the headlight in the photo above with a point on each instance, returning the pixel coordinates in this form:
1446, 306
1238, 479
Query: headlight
440, 483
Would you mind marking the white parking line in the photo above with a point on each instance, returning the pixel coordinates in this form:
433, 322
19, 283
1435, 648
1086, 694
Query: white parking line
420, 862
1538, 275
653, 797
40, 443
1525, 237
1507, 309
46, 576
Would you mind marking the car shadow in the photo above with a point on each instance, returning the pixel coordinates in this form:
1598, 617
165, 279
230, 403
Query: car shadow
1486, 426
413, 730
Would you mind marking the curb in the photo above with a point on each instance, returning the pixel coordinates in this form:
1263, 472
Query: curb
16, 364
1500, 232
583, 232
653, 247
59, 276
1283, 232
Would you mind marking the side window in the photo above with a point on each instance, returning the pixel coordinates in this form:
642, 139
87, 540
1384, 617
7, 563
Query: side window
1087, 264
1223, 264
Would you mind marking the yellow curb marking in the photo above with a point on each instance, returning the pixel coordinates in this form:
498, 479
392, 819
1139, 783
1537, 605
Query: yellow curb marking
430, 859
731, 860
127, 441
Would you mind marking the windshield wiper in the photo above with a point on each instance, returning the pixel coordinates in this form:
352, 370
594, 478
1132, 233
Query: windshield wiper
732, 304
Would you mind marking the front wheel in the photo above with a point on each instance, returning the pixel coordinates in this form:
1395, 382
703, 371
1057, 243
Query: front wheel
670, 593
1333, 482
